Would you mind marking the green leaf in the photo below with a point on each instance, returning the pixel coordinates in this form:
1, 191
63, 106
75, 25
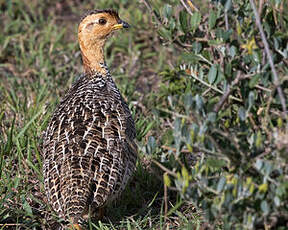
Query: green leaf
190, 57
167, 180
185, 173
221, 184
27, 208
228, 5
223, 35
279, 122
212, 19
211, 117
195, 20
256, 56
188, 100
212, 74
199, 102
172, 24
220, 76
151, 145
277, 201
228, 69
265, 207
242, 113
254, 80
164, 33
167, 11
263, 188
197, 47
259, 164
216, 163
258, 140
251, 100
183, 21
232, 51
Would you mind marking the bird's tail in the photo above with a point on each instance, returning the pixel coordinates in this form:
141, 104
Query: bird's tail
76, 189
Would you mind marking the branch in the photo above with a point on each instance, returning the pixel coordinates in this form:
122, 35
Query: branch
186, 7
198, 149
226, 20
189, 118
192, 74
192, 5
168, 171
219, 105
268, 53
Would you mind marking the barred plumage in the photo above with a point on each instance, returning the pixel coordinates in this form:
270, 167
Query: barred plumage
89, 152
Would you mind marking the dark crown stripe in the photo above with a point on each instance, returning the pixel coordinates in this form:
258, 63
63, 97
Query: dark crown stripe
96, 11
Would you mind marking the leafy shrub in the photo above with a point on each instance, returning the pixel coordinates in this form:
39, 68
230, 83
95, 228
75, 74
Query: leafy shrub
228, 143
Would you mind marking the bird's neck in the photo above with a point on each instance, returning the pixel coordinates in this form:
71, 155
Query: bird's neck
93, 57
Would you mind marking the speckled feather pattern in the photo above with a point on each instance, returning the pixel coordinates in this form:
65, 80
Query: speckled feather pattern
89, 152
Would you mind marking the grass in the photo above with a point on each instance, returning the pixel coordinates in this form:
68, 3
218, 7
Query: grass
39, 60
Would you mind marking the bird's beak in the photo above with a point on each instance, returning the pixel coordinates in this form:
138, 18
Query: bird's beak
121, 24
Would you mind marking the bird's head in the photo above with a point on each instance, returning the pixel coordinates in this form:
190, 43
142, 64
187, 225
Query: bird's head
93, 31
97, 25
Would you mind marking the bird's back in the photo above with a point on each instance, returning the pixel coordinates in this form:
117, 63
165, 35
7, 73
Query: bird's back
89, 152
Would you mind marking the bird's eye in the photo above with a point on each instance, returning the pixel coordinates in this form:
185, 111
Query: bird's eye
102, 21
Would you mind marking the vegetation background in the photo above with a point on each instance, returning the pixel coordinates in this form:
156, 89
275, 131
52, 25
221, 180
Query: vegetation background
209, 99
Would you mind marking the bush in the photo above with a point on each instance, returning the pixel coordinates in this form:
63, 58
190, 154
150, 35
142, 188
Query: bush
227, 148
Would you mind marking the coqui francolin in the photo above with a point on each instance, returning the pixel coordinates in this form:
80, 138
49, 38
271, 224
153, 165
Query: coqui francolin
89, 149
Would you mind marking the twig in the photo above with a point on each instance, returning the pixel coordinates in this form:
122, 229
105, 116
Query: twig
255, 127
197, 149
209, 189
187, 8
224, 97
226, 20
213, 87
231, 137
263, 88
175, 150
176, 114
261, 2
267, 50
228, 91
165, 199
164, 168
192, 5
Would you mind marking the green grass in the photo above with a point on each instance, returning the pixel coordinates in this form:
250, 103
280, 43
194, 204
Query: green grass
39, 60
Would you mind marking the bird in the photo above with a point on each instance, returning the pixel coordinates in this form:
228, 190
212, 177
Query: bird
89, 147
